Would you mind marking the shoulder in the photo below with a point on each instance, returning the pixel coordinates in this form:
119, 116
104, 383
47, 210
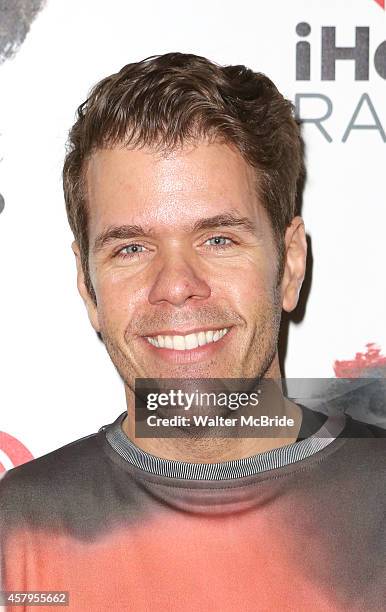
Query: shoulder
360, 429
48, 477
363, 452
74, 489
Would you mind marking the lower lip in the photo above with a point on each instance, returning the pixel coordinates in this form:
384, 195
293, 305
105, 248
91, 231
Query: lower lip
190, 355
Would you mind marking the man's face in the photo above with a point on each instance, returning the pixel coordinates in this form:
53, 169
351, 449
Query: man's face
183, 263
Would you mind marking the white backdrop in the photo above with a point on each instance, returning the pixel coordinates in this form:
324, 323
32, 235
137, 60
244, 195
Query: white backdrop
57, 381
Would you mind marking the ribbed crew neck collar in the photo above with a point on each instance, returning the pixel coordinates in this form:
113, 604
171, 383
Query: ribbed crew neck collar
238, 468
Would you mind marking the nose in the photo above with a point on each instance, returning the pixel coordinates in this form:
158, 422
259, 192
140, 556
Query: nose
177, 281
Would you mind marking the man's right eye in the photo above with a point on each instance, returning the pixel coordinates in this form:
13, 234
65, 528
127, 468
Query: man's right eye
130, 250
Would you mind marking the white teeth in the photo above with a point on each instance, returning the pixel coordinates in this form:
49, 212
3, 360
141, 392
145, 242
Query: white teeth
191, 341
179, 343
201, 338
209, 336
168, 342
188, 342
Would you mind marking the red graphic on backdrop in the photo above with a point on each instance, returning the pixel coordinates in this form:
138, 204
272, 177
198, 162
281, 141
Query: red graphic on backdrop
14, 449
362, 364
381, 3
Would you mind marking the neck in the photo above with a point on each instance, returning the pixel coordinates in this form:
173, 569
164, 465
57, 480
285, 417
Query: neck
218, 449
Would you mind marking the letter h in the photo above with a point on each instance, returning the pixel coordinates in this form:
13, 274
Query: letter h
359, 53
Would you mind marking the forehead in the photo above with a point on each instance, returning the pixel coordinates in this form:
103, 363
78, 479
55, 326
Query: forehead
144, 187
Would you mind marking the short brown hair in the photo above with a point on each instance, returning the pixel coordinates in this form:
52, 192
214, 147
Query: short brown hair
167, 100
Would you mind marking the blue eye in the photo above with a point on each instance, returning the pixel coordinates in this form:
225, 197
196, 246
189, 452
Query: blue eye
219, 241
132, 249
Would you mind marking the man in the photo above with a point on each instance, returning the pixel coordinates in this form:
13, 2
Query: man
181, 181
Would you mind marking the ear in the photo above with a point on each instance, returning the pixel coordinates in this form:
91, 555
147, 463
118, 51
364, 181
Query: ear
295, 263
92, 310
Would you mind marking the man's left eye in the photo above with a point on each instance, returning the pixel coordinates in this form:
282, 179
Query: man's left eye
219, 241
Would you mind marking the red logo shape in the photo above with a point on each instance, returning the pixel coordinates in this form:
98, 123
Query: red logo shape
363, 363
14, 449
381, 3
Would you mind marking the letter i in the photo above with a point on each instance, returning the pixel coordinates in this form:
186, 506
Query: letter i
303, 53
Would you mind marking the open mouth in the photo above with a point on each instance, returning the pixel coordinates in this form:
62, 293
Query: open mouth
187, 342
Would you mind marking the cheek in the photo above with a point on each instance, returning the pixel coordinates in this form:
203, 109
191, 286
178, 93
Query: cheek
119, 298
247, 297
249, 287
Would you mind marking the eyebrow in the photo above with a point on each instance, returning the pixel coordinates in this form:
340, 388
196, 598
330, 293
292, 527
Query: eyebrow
225, 220
127, 232
118, 232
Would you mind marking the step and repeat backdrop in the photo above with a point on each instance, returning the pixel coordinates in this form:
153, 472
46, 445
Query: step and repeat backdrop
327, 56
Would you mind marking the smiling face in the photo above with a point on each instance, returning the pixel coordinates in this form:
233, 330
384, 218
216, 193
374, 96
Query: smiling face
184, 265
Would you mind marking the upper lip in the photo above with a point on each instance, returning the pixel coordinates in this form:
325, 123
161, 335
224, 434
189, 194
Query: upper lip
186, 332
